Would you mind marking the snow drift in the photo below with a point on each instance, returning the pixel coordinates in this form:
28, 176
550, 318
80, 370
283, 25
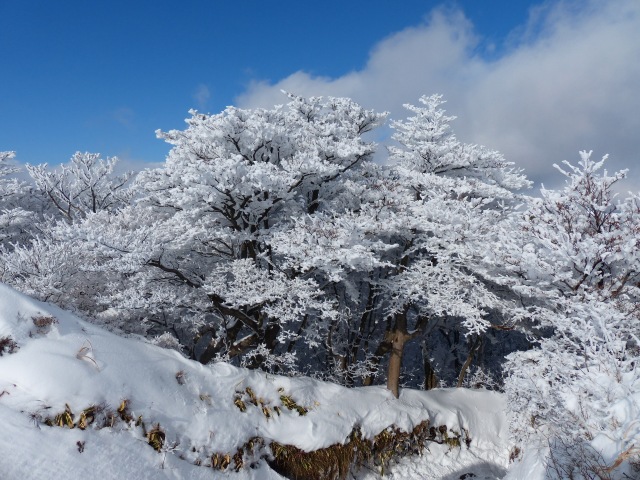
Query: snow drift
53, 362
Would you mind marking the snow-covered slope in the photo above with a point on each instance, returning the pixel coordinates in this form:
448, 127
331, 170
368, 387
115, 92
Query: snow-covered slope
53, 362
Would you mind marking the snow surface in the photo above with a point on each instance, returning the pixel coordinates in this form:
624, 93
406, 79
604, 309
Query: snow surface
74, 363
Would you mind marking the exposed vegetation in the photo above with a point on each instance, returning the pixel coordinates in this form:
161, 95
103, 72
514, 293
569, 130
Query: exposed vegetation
331, 463
335, 462
44, 322
242, 398
7, 345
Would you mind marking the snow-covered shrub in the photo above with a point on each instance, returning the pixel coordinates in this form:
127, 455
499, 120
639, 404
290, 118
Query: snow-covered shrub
18, 206
577, 394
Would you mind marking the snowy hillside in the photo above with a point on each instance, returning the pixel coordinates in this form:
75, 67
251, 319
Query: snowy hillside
140, 411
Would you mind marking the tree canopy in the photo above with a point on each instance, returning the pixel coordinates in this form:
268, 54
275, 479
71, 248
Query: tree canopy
284, 239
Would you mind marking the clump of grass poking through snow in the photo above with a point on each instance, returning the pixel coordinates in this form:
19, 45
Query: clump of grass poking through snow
290, 403
7, 345
336, 461
87, 417
123, 411
220, 461
43, 322
63, 419
156, 437
243, 399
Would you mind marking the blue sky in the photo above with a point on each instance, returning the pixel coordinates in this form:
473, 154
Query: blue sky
102, 76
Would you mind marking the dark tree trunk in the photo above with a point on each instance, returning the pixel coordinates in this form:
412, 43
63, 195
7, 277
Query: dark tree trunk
217, 344
430, 377
397, 338
475, 346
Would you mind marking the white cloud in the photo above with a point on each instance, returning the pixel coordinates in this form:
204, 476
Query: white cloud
201, 96
569, 80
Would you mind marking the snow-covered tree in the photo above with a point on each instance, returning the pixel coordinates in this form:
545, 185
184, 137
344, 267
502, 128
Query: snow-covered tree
51, 259
8, 186
15, 216
407, 255
576, 393
270, 238
457, 195
202, 230
85, 185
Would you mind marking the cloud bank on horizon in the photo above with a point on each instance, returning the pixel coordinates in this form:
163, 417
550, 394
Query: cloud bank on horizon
568, 80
